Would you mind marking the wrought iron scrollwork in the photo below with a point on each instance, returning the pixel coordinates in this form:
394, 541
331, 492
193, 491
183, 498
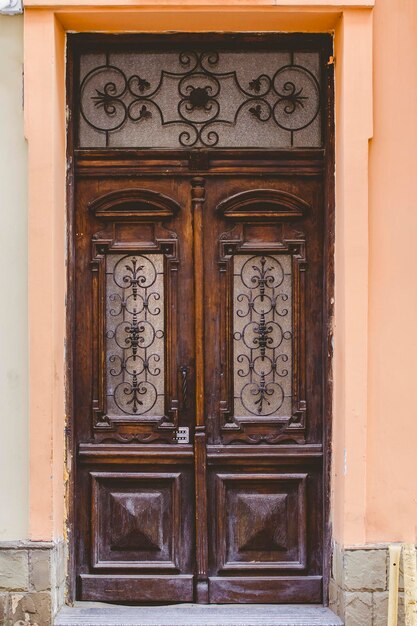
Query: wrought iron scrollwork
206, 98
134, 332
262, 335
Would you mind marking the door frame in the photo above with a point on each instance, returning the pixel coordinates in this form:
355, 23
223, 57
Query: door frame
45, 123
77, 43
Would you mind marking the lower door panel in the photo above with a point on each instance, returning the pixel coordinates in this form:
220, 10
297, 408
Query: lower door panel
137, 588
141, 534
267, 532
262, 590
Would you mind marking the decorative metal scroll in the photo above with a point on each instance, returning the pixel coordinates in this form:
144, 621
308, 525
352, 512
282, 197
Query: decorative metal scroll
200, 98
262, 331
135, 335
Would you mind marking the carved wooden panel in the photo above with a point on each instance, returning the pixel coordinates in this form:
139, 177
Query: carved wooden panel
262, 205
263, 345
135, 294
261, 521
136, 204
136, 520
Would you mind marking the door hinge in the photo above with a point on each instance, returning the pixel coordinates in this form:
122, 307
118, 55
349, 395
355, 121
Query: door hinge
182, 434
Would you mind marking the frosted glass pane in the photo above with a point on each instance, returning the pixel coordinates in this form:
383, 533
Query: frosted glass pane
200, 99
262, 333
135, 335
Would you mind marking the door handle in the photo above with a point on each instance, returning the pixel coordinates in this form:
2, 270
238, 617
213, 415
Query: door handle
184, 385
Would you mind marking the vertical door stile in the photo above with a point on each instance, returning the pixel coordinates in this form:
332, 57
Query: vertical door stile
197, 199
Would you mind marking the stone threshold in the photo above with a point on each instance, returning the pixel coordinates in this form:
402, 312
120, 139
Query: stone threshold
97, 614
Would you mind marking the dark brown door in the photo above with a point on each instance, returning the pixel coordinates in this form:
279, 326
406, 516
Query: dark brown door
199, 334
134, 379
263, 252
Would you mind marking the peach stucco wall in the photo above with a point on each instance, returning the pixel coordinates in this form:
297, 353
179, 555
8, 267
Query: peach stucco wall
392, 411
353, 53
375, 426
45, 132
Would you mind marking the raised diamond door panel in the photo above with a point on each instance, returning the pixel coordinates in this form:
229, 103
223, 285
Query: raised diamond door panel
141, 525
136, 520
261, 523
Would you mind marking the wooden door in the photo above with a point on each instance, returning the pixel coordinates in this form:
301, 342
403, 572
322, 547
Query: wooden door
134, 378
200, 287
263, 251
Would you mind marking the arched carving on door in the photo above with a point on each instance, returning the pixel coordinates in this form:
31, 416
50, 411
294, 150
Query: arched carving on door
263, 204
134, 203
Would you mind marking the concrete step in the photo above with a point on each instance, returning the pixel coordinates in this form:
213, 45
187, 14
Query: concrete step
97, 614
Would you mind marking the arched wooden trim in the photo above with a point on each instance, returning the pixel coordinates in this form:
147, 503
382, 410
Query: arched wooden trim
263, 204
134, 203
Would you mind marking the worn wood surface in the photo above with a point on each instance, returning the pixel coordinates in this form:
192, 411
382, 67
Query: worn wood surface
200, 462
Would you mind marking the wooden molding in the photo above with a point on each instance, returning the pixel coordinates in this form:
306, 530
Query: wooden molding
134, 203
261, 204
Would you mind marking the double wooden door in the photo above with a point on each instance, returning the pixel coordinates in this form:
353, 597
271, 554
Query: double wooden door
198, 385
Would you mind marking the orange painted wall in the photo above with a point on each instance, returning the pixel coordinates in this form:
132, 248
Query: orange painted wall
353, 52
392, 411
375, 426
45, 132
